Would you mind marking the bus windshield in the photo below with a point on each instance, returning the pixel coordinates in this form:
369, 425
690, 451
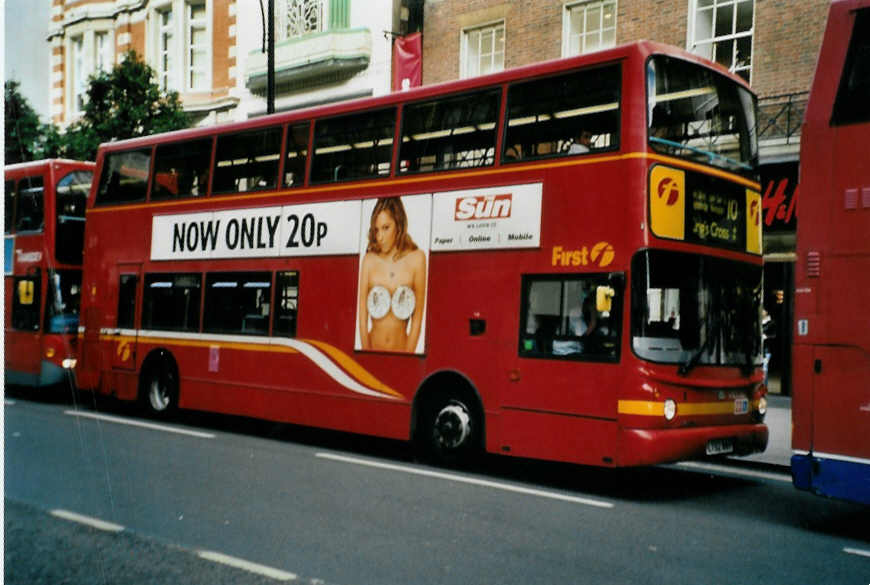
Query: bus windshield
697, 114
72, 193
689, 309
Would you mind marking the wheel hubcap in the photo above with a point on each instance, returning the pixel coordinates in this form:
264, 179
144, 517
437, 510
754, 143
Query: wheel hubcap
452, 426
158, 396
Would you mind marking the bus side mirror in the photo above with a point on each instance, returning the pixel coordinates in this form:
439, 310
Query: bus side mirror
25, 292
604, 298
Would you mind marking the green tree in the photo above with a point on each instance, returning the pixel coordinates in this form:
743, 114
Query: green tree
23, 130
123, 103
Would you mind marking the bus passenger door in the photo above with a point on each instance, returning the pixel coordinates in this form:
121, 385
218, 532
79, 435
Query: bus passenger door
125, 332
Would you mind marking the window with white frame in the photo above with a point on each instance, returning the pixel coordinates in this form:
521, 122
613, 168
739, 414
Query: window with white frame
80, 74
103, 54
589, 26
197, 47
165, 49
181, 45
721, 30
482, 50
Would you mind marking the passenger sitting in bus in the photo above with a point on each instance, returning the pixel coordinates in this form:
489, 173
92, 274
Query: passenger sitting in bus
582, 143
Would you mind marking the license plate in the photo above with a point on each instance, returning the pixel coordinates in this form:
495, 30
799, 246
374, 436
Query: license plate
720, 446
741, 406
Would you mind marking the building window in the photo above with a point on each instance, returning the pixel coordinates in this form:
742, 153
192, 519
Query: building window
80, 74
165, 49
197, 47
103, 51
300, 17
482, 50
721, 30
589, 26
181, 48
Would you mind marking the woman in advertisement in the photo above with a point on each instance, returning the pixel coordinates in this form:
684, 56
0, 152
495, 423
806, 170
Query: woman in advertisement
392, 292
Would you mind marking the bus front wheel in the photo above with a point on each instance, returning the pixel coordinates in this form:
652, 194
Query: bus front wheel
160, 390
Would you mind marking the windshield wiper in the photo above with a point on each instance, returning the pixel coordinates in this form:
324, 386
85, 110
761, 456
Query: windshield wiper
687, 367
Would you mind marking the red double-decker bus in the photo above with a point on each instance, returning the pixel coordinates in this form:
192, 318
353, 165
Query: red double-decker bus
560, 261
831, 402
42, 256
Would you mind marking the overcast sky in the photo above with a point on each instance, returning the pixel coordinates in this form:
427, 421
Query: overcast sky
27, 56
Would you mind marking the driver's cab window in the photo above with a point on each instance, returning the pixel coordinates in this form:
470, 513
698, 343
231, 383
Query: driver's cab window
26, 303
570, 317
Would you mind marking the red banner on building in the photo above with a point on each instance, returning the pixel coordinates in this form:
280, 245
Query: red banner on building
408, 61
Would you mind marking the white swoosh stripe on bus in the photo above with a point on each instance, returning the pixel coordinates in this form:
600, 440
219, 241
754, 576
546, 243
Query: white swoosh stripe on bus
321, 360
333, 371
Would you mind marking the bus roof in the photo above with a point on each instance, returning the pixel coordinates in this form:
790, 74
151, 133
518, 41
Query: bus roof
35, 164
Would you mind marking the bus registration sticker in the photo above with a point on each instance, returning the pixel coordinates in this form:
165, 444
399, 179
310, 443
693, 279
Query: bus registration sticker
741, 406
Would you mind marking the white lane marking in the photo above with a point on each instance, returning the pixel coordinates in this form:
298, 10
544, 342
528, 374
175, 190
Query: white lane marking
255, 568
136, 423
857, 551
469, 480
783, 477
87, 520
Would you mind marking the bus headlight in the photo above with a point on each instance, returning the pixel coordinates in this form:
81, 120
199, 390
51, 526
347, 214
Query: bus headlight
670, 409
759, 397
68, 363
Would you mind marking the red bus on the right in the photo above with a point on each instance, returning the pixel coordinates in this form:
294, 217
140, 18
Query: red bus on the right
831, 393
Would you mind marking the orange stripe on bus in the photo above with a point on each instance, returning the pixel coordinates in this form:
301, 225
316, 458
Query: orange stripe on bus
353, 368
649, 408
196, 343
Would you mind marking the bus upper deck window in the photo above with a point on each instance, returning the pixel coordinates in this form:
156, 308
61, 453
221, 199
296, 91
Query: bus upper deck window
354, 146
450, 132
29, 216
125, 177
247, 161
181, 169
297, 154
547, 117
854, 91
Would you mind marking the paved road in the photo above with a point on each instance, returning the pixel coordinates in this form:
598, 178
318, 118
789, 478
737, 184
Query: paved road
188, 498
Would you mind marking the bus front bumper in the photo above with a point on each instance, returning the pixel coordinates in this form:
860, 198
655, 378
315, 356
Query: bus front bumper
653, 446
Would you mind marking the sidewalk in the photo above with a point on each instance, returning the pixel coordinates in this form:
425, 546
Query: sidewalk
778, 421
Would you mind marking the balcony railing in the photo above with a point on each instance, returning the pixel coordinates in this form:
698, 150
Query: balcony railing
780, 117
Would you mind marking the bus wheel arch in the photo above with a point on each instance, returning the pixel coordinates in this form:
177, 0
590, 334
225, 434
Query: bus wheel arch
158, 383
447, 419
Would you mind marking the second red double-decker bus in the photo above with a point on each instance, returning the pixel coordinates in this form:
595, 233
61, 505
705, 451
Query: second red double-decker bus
560, 261
831, 404
44, 238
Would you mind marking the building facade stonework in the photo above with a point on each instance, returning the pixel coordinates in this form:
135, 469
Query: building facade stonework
189, 43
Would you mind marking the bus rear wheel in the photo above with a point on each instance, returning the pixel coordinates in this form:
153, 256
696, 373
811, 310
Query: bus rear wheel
451, 431
159, 392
